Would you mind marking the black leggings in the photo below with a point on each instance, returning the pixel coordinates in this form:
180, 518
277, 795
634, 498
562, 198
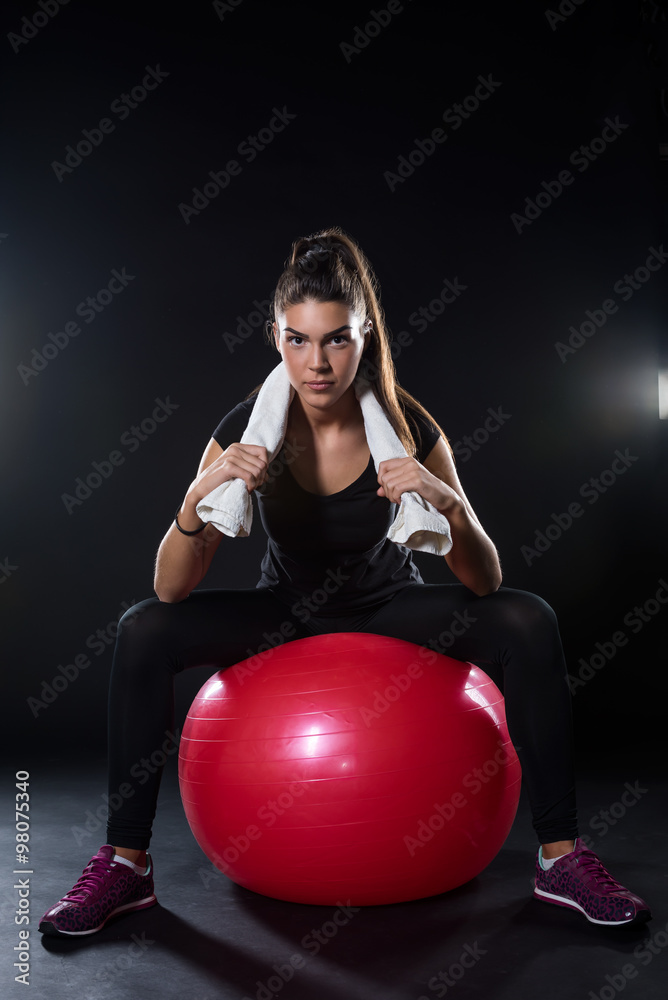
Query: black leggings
512, 634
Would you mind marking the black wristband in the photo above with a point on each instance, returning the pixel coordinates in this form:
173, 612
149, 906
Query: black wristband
183, 530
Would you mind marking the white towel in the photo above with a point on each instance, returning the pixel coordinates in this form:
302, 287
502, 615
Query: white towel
418, 525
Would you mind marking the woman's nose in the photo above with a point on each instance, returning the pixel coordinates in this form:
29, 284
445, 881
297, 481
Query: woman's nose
318, 359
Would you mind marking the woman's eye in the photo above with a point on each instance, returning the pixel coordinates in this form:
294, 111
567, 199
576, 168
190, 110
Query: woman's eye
337, 340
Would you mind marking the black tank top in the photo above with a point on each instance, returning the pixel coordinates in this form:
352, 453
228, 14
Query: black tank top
333, 547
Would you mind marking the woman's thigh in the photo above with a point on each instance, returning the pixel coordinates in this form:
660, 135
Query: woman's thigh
218, 628
215, 628
497, 629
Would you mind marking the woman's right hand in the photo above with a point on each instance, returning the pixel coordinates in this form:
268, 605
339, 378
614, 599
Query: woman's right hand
182, 562
239, 461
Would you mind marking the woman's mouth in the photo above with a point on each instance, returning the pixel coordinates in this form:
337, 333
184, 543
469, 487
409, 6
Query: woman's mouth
319, 386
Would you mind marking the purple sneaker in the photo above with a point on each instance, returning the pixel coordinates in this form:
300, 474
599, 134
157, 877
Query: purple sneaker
105, 889
579, 881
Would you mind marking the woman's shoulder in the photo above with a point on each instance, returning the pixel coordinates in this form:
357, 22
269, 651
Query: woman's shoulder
424, 430
234, 423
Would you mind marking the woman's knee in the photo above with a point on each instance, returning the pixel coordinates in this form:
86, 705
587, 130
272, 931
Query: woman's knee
143, 626
527, 614
143, 616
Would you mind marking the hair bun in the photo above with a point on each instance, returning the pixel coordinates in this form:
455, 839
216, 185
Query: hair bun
313, 255
320, 250
324, 252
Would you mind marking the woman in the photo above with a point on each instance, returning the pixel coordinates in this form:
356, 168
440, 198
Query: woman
328, 327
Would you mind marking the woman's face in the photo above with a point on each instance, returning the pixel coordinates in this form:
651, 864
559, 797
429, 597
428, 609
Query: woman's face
321, 344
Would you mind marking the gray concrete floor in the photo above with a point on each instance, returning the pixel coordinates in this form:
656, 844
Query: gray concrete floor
209, 938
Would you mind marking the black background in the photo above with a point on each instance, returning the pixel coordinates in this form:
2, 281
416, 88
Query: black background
67, 573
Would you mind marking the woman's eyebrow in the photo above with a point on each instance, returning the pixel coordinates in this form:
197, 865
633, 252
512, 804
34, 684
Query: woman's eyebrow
306, 336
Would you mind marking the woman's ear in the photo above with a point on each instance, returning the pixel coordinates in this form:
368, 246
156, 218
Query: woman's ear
368, 327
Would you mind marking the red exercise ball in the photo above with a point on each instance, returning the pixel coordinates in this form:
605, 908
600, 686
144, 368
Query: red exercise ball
349, 767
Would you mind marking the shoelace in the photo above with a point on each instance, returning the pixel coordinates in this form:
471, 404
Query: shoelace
595, 870
90, 881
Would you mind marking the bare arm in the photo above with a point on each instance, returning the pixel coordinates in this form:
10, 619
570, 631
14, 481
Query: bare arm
473, 557
183, 561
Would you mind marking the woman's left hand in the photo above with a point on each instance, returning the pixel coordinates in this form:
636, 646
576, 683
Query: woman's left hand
406, 475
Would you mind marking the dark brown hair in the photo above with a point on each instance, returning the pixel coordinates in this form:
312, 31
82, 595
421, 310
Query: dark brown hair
329, 266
